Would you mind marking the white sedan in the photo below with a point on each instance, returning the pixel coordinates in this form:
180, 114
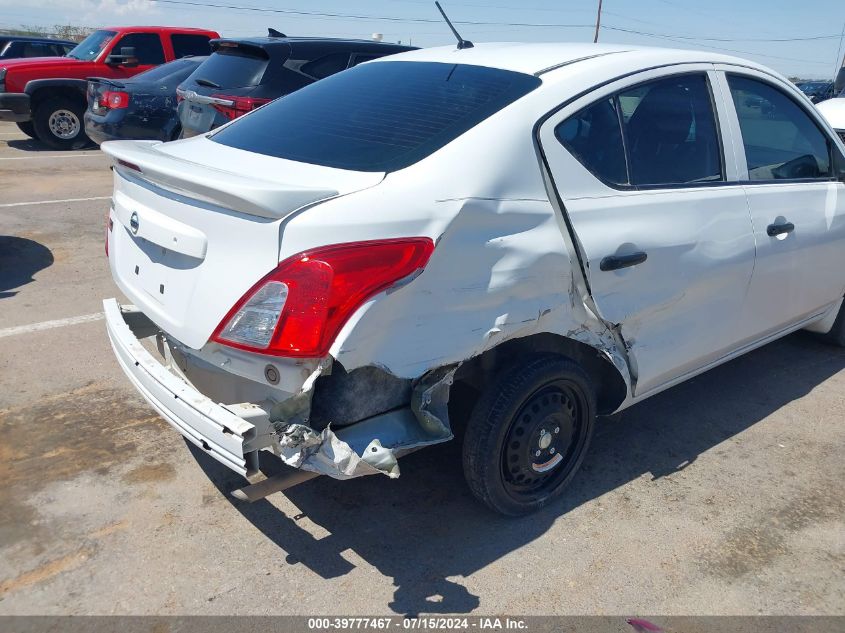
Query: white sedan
834, 111
510, 238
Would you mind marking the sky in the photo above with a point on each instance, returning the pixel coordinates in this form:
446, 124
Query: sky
732, 26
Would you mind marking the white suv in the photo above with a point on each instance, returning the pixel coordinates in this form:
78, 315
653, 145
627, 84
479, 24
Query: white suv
536, 233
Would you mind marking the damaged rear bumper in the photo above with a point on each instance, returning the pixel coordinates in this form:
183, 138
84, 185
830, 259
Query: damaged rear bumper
234, 433
223, 435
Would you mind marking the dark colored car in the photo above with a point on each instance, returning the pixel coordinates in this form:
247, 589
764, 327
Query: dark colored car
143, 107
16, 46
46, 96
818, 91
243, 74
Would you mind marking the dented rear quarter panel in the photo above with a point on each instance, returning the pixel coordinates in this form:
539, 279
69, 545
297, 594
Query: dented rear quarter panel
502, 267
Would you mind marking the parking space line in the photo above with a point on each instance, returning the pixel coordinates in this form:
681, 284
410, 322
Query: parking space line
51, 156
26, 204
49, 325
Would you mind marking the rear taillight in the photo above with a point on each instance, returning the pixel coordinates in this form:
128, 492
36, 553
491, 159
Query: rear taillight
114, 99
239, 105
299, 308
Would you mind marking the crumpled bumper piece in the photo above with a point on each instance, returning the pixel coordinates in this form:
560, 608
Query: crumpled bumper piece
371, 446
225, 436
303, 447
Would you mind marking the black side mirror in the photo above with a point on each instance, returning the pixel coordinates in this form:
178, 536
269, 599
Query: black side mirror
126, 58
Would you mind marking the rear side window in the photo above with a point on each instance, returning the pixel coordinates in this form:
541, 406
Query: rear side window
165, 71
147, 47
659, 133
232, 69
377, 117
781, 140
594, 137
322, 67
186, 45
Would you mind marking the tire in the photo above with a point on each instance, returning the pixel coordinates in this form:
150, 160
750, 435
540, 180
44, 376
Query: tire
544, 404
59, 124
836, 336
27, 128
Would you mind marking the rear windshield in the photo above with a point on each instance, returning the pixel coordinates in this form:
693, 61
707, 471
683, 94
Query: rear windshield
377, 117
182, 66
233, 69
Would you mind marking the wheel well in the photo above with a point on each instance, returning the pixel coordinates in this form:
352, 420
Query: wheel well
611, 388
48, 92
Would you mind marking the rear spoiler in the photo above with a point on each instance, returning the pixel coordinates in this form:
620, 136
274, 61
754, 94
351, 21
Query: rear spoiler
238, 47
141, 160
106, 80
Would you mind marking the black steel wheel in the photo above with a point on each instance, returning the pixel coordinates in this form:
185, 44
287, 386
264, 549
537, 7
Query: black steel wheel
528, 434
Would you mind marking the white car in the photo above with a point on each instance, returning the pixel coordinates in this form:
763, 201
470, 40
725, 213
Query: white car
536, 233
834, 111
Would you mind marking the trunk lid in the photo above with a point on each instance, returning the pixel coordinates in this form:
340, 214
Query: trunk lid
196, 224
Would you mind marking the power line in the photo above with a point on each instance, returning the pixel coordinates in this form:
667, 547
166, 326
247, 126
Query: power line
355, 16
683, 39
720, 48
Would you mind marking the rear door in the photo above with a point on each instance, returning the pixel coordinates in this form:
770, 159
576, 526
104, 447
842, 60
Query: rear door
793, 168
650, 191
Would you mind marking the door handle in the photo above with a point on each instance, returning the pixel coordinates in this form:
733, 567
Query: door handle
615, 262
779, 229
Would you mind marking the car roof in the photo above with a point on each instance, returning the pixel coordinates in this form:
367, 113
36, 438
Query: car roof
30, 38
536, 58
158, 29
331, 42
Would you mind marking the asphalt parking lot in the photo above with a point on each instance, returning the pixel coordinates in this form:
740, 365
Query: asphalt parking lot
721, 496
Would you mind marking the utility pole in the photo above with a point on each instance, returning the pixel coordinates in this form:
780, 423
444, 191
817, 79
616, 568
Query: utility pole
598, 24
839, 77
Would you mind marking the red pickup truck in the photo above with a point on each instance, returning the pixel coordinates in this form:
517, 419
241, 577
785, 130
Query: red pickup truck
45, 96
